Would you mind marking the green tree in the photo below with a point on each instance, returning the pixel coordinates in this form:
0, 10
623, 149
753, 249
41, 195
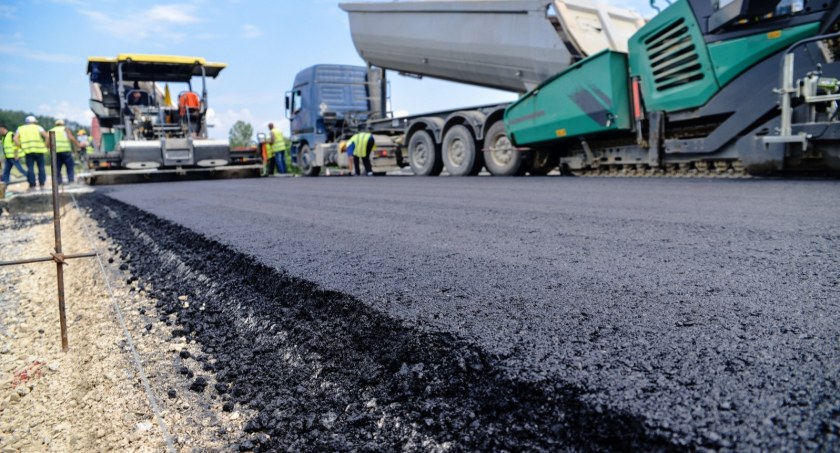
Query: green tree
241, 134
14, 118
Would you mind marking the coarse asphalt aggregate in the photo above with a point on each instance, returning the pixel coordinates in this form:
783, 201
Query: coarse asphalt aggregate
677, 313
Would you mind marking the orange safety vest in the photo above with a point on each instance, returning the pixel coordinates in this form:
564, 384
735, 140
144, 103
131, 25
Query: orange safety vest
188, 100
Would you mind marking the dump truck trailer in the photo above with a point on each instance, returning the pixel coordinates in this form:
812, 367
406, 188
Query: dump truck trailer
708, 87
510, 45
145, 130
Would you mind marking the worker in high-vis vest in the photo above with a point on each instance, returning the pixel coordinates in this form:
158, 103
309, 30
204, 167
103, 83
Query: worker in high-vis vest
278, 147
361, 145
84, 142
34, 142
11, 153
64, 141
268, 153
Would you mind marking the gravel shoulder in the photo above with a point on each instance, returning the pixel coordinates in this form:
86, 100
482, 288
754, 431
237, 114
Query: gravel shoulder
92, 397
82, 400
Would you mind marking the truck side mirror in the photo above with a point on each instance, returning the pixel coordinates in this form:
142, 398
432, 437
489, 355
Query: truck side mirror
288, 111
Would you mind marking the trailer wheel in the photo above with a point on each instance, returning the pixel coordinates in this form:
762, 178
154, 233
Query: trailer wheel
307, 158
459, 152
423, 155
500, 156
542, 162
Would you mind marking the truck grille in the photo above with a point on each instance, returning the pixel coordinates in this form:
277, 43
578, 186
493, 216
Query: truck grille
673, 57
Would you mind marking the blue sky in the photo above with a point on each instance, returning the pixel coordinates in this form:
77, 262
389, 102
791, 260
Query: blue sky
45, 44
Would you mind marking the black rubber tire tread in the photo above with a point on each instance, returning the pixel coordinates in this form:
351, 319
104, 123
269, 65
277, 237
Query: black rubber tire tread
515, 167
435, 164
310, 170
460, 132
542, 162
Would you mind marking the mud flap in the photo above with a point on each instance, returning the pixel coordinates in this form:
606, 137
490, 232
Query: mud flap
657, 132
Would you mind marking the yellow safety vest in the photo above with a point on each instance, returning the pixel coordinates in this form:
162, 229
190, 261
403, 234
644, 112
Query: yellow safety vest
279, 141
62, 143
31, 141
88, 145
9, 146
360, 142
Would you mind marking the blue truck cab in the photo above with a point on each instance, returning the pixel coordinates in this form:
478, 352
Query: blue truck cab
327, 103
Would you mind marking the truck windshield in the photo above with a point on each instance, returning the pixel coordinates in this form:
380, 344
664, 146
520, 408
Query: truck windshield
783, 8
787, 7
737, 14
296, 101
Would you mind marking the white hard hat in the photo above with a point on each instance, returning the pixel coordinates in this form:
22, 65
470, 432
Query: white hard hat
30, 119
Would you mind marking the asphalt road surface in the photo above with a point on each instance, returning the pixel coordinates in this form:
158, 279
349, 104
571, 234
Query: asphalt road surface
707, 312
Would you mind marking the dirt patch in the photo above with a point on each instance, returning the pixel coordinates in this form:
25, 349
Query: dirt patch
82, 400
91, 398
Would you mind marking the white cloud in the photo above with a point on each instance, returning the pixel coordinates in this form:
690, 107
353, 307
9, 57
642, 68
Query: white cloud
66, 110
162, 22
11, 87
643, 7
251, 31
223, 121
7, 12
176, 14
15, 47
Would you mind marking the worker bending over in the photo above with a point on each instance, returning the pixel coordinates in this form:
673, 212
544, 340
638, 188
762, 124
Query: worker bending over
361, 145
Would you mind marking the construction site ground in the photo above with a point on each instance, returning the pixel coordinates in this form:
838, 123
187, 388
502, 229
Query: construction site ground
429, 314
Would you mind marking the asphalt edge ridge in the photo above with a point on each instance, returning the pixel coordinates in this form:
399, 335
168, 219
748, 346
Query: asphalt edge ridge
530, 415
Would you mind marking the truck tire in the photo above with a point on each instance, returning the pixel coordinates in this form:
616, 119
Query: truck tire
459, 153
500, 156
542, 162
423, 155
306, 157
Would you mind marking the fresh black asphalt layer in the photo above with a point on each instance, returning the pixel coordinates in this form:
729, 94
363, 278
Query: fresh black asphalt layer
506, 314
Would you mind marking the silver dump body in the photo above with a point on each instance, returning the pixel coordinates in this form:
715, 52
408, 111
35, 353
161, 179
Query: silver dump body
512, 45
